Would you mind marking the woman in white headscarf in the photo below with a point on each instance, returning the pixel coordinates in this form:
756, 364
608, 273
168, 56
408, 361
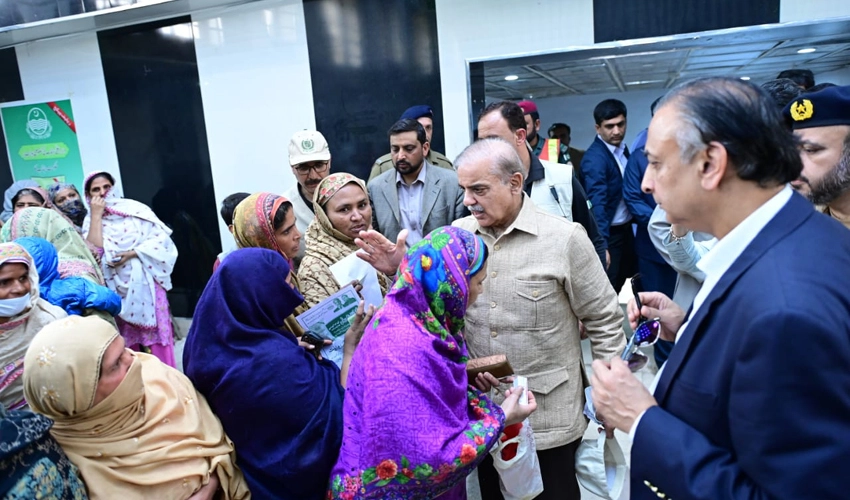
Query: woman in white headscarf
138, 258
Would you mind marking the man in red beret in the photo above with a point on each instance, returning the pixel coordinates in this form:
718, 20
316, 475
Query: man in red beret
551, 150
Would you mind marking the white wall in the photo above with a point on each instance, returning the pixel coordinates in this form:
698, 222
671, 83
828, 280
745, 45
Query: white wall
475, 29
70, 68
577, 112
256, 89
808, 10
838, 77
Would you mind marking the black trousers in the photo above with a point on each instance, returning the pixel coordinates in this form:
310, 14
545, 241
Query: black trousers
624, 262
557, 466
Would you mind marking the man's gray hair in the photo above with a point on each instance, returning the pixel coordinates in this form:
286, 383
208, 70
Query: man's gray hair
502, 157
744, 119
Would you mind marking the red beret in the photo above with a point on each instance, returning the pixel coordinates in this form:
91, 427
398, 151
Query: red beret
527, 107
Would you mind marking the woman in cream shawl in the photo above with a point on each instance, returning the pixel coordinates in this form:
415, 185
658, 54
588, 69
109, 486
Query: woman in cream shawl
18, 329
75, 256
153, 436
138, 259
342, 211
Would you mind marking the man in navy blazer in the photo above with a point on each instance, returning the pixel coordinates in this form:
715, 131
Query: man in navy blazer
602, 166
754, 401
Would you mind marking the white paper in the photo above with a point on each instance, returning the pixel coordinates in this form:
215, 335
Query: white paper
354, 268
330, 319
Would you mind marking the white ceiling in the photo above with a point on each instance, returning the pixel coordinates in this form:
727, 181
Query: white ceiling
758, 52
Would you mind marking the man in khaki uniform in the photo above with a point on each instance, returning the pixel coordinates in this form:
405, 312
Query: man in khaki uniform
821, 121
543, 277
424, 115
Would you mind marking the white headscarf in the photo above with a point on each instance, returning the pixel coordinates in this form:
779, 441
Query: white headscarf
131, 225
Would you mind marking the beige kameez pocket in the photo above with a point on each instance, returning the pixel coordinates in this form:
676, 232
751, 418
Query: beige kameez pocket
537, 310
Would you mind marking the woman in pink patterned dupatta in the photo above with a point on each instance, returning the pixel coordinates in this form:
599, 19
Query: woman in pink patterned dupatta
138, 258
413, 426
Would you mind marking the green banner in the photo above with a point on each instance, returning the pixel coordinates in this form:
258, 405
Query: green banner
42, 143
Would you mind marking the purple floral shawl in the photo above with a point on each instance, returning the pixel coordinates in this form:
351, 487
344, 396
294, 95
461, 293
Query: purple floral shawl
413, 427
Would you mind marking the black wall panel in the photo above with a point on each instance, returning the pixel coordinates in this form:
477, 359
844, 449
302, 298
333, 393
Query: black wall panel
476, 89
369, 61
11, 88
158, 120
623, 20
5, 169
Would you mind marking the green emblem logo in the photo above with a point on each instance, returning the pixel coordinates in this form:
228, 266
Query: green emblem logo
307, 145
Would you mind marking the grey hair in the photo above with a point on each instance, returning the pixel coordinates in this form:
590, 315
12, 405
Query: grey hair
689, 138
500, 154
744, 119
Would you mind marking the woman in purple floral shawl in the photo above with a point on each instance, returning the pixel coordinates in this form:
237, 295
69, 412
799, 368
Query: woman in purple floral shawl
413, 426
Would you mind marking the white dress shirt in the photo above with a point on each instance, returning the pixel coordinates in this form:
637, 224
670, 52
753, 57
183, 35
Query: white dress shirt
720, 258
410, 204
622, 215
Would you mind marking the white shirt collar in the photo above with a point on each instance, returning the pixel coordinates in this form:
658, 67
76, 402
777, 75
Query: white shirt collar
726, 251
615, 150
419, 178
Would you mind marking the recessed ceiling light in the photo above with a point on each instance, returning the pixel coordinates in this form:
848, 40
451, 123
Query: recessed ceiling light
745, 78
511, 78
807, 50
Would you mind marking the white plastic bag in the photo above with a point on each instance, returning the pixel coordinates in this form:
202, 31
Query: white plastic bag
519, 477
601, 468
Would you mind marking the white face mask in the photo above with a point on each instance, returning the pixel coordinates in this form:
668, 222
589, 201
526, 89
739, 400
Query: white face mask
13, 307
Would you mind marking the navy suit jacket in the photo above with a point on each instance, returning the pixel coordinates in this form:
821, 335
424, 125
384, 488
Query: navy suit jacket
754, 401
603, 183
641, 205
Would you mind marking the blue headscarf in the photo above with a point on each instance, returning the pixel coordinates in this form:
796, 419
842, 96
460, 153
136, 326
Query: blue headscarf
72, 294
281, 407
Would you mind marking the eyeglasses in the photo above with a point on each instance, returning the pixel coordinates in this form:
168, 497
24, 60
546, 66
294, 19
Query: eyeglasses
646, 334
318, 167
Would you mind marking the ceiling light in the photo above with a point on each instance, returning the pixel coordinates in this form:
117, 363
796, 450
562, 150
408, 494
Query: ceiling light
745, 78
511, 78
807, 50
644, 82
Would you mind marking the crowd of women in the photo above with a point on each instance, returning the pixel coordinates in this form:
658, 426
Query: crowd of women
86, 346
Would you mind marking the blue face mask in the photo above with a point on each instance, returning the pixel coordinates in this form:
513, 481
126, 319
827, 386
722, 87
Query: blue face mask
12, 307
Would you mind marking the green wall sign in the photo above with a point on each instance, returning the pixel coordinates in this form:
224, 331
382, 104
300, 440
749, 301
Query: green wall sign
42, 143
